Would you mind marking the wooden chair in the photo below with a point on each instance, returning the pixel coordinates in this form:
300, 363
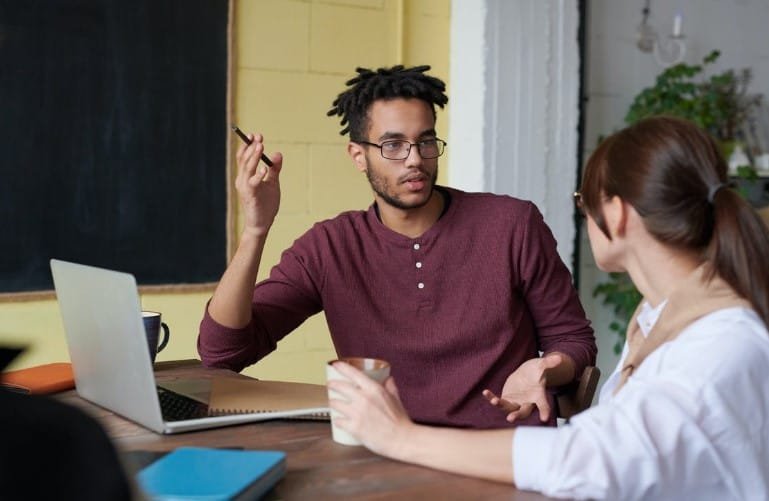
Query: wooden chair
579, 398
764, 213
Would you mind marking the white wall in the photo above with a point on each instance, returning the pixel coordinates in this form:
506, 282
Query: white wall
617, 71
514, 112
494, 43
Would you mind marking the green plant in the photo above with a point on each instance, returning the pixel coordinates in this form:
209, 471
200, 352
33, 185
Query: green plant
620, 294
718, 104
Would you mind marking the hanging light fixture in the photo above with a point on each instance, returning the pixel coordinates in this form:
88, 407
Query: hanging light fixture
667, 50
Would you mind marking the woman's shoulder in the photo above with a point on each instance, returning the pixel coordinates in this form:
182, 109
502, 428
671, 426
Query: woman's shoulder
715, 359
728, 327
721, 345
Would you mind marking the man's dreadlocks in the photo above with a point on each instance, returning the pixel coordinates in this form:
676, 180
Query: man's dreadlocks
384, 83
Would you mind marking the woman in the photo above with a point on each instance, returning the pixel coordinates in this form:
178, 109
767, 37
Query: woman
686, 413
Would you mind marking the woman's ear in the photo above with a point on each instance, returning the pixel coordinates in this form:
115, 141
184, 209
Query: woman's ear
615, 213
358, 156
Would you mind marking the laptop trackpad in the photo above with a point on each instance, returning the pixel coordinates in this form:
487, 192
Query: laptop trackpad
196, 389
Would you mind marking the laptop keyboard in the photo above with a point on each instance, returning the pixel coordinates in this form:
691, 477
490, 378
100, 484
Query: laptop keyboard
176, 407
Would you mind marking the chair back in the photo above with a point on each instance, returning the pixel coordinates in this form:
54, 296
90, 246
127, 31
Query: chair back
764, 213
579, 398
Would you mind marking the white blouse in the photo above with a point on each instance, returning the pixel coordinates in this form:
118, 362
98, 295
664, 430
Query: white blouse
692, 422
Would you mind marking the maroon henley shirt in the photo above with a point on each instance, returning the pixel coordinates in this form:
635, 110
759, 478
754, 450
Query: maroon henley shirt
454, 311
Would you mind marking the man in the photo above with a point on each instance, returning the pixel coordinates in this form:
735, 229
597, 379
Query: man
458, 291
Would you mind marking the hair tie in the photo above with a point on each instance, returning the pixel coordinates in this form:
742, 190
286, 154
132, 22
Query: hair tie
713, 190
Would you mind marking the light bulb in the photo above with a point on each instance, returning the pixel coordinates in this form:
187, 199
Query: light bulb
647, 36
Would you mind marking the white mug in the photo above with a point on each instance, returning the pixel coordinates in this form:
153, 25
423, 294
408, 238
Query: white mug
376, 369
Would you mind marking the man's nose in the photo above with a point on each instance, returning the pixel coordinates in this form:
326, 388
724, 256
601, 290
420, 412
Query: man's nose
414, 158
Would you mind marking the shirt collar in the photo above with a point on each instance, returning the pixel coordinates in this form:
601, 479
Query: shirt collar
648, 316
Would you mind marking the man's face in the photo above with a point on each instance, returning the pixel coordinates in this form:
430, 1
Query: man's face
404, 184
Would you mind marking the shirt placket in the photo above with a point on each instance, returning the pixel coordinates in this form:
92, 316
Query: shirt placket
421, 281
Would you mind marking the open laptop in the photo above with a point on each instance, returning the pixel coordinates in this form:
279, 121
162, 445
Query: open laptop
102, 320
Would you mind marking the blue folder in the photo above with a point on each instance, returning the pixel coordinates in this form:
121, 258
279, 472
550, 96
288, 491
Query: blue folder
198, 473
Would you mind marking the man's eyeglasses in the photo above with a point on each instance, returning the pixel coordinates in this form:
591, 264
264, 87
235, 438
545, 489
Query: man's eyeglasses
578, 205
399, 149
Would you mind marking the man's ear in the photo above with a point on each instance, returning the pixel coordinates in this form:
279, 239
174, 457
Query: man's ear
358, 155
615, 213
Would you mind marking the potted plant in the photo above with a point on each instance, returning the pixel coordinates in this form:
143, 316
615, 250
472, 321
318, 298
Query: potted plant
719, 104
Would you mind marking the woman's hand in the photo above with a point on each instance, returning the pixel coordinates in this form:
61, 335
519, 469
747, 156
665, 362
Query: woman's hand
371, 412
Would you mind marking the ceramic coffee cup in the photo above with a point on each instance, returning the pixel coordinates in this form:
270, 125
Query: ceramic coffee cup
152, 328
376, 369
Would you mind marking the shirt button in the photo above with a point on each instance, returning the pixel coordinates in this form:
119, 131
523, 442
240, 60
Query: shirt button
421, 285
416, 246
419, 265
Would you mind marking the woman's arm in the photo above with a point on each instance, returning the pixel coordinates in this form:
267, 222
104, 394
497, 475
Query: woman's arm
375, 415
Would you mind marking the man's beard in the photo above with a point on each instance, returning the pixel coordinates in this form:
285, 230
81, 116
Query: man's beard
380, 187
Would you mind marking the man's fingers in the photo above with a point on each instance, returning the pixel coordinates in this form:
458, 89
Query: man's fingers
262, 172
277, 161
258, 176
273, 173
525, 411
500, 403
240, 152
522, 412
508, 406
242, 158
252, 169
492, 398
544, 410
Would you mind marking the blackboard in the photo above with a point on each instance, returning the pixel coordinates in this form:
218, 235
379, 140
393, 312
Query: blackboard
113, 137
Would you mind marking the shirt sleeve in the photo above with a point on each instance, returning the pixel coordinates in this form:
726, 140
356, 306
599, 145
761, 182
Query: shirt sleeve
629, 449
280, 304
678, 429
550, 296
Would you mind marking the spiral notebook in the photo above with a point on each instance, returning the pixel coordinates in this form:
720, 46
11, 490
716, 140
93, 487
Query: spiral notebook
243, 396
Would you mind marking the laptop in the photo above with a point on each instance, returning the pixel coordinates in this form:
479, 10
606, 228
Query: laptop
102, 319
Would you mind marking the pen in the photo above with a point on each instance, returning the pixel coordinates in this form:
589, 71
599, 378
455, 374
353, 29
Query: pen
245, 139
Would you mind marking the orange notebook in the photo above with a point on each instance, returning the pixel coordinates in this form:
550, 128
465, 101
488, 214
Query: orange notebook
48, 378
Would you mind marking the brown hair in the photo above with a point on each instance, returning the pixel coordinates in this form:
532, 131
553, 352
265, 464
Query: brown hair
673, 174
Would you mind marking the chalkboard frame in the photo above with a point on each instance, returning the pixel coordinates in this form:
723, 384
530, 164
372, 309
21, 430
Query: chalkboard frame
228, 195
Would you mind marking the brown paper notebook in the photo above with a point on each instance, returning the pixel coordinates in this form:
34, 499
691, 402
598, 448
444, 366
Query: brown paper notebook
48, 378
240, 395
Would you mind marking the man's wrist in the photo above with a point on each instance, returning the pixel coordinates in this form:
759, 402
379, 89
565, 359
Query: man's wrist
253, 233
561, 373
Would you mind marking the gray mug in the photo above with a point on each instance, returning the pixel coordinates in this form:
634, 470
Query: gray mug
152, 327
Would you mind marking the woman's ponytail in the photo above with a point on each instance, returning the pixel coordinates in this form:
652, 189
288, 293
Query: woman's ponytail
739, 249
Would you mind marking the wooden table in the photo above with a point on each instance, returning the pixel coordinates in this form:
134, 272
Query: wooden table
317, 467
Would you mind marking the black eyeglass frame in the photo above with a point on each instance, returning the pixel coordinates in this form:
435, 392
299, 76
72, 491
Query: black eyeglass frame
440, 143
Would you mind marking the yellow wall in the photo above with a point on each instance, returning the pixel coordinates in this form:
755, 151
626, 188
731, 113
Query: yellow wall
291, 59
